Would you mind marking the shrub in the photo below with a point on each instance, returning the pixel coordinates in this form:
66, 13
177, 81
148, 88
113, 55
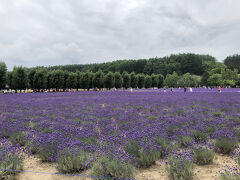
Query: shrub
179, 168
225, 145
166, 146
32, 147
217, 114
185, 141
210, 130
9, 161
199, 136
106, 167
46, 152
18, 138
227, 175
72, 162
203, 156
142, 157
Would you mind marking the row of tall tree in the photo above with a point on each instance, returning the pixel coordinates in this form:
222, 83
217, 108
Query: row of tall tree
40, 78
62, 77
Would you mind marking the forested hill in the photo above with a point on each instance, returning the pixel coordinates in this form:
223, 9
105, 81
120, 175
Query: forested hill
181, 63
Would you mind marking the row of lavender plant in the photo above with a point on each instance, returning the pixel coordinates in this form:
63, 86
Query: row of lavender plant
125, 130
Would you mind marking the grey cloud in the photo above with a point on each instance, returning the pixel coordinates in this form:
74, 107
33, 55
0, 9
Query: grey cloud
54, 32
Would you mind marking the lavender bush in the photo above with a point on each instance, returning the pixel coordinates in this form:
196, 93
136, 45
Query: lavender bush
106, 123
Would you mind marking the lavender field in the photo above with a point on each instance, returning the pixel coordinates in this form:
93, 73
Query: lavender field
117, 134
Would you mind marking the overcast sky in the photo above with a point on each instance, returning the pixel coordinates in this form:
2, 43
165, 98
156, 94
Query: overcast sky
53, 32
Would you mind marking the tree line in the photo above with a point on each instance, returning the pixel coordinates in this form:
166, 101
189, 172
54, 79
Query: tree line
201, 70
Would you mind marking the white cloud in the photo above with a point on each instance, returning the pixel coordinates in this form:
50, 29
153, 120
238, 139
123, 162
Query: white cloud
43, 32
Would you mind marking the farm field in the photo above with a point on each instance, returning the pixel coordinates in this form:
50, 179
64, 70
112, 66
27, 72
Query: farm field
144, 134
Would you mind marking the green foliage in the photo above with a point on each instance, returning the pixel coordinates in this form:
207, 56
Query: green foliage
215, 80
154, 80
233, 62
134, 80
203, 156
56, 79
227, 175
166, 146
126, 80
31, 74
118, 80
10, 162
179, 168
185, 141
84, 80
148, 81
18, 138
40, 79
160, 80
98, 80
204, 79
3, 75
45, 152
171, 80
109, 80
230, 77
73, 162
141, 81
225, 145
217, 114
144, 158
19, 78
187, 80
109, 167
10, 80
199, 136
72, 80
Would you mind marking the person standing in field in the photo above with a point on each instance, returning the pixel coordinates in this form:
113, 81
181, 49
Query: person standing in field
190, 89
219, 89
185, 89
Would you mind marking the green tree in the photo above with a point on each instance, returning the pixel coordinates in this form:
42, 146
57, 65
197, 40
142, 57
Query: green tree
10, 80
126, 80
98, 80
109, 80
87, 80
40, 79
72, 80
215, 80
155, 80
49, 77
204, 79
187, 80
134, 80
80, 80
141, 81
19, 78
118, 80
233, 62
160, 80
171, 80
31, 77
230, 77
3, 75
58, 79
65, 75
148, 81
